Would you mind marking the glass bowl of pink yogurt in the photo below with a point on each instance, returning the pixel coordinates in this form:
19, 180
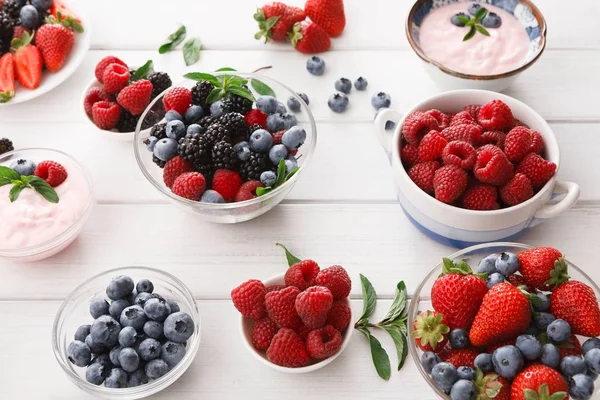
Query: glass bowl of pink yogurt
476, 44
34, 228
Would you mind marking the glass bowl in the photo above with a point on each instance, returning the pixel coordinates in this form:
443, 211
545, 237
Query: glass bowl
75, 312
228, 212
52, 245
421, 300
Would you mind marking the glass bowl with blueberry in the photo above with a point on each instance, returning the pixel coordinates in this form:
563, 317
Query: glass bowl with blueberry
509, 320
229, 146
127, 333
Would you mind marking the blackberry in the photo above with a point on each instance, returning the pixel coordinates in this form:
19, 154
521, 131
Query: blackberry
254, 127
256, 165
207, 121
151, 118
218, 133
7, 24
207, 170
236, 125
6, 145
42, 15
161, 81
127, 121
224, 156
13, 9
158, 161
238, 104
4, 44
196, 148
200, 92
159, 131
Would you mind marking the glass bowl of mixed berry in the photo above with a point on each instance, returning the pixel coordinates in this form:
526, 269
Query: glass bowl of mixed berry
226, 147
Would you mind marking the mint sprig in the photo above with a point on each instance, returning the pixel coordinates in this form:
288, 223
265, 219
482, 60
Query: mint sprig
282, 177
143, 71
474, 23
173, 40
9, 176
191, 51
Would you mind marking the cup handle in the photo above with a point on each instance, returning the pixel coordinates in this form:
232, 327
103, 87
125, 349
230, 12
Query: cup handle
385, 138
552, 210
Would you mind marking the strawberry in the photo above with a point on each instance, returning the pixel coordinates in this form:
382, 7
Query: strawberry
430, 331
431, 146
517, 190
276, 20
538, 170
7, 78
422, 175
309, 38
460, 357
491, 386
136, 97
28, 61
327, 13
505, 312
55, 41
491, 349
517, 144
539, 382
58, 9
480, 197
543, 267
457, 294
576, 303
449, 183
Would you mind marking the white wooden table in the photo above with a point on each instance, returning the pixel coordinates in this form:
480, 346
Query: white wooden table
342, 211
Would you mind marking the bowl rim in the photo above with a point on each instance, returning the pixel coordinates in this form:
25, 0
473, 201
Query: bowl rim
69, 232
151, 387
417, 49
234, 205
346, 336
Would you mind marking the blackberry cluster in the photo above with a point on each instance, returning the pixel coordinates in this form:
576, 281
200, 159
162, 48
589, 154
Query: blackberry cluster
158, 161
6, 145
13, 9
207, 121
200, 92
224, 156
7, 25
236, 125
256, 165
127, 121
238, 104
159, 131
209, 149
196, 148
161, 81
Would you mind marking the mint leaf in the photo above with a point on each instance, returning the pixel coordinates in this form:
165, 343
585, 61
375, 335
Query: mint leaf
398, 307
4, 181
143, 71
233, 80
400, 342
281, 170
292, 173
369, 298
262, 88
44, 189
480, 14
291, 259
261, 191
243, 92
9, 173
462, 19
225, 69
482, 30
381, 361
216, 95
201, 76
191, 51
173, 40
470, 34
15, 192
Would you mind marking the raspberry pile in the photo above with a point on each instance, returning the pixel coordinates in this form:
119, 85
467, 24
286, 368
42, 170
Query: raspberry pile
124, 95
481, 158
302, 320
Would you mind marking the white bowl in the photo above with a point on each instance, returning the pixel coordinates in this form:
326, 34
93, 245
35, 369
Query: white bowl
246, 331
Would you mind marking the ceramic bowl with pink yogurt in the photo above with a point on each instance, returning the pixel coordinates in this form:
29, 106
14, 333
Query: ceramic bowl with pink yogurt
38, 224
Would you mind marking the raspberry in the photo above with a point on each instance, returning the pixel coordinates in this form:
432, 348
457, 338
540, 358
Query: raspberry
461, 154
302, 274
422, 175
249, 299
178, 99
173, 168
538, 170
460, 357
189, 185
481, 197
339, 316
517, 144
288, 350
302, 330
93, 96
492, 166
116, 77
263, 331
519, 280
461, 118
19, 30
277, 137
464, 132
442, 119
256, 117
473, 110
537, 142
496, 115
274, 288
105, 62
323, 343
52, 172
281, 307
336, 279
247, 191
431, 146
136, 97
517, 190
105, 114
227, 183
416, 125
497, 138
313, 305
409, 154
449, 182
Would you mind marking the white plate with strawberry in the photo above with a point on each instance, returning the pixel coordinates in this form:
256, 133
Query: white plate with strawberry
43, 58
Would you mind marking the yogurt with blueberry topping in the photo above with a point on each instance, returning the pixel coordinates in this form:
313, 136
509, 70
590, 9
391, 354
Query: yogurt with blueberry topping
442, 34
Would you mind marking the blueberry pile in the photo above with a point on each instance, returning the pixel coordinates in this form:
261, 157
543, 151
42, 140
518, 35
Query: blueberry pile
138, 337
491, 19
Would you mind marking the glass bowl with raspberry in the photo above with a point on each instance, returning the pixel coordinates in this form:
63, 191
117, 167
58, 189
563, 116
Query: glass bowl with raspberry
474, 166
226, 146
463, 304
46, 197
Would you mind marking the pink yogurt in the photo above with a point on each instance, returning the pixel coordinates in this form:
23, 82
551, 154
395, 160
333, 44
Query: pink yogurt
504, 50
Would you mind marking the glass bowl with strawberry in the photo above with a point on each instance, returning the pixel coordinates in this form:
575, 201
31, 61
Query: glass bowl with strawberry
226, 147
507, 321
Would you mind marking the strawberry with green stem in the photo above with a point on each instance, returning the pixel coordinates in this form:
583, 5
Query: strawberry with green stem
55, 40
28, 61
539, 382
576, 303
275, 21
544, 268
430, 332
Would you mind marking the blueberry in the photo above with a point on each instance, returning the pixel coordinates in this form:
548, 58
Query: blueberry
543, 305
532, 330
550, 355
304, 98
113, 355
581, 387
315, 65
456, 21
465, 372
134, 316
444, 375
289, 120
338, 102
494, 279
217, 109
459, 338
487, 265
95, 374
179, 327
117, 307
42, 5
153, 329
165, 149
293, 138
94, 347
592, 375
98, 307
116, 379
592, 360
194, 128
156, 368
242, 149
149, 349
29, 17
137, 378
280, 108
507, 264
268, 178
141, 299
559, 331
491, 20
23, 167
104, 360
473, 8
176, 130
105, 331
193, 114
129, 359
266, 104
293, 104
463, 390
173, 115
150, 142
428, 360
591, 343
172, 353
212, 196
361, 83
120, 286
158, 296
157, 309
275, 122
261, 141
343, 85
530, 347
79, 353
127, 336
144, 285
174, 306
82, 332
290, 164
572, 365
381, 100
508, 361
484, 362
542, 320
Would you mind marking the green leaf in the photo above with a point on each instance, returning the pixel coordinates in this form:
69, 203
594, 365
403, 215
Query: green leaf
398, 306
261, 191
400, 342
5, 181
216, 95
201, 76
482, 30
480, 14
243, 92
44, 189
369, 297
9, 173
530, 394
191, 51
236, 80
462, 19
225, 69
291, 259
381, 361
143, 71
15, 192
173, 40
470, 34
281, 169
262, 88
292, 173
